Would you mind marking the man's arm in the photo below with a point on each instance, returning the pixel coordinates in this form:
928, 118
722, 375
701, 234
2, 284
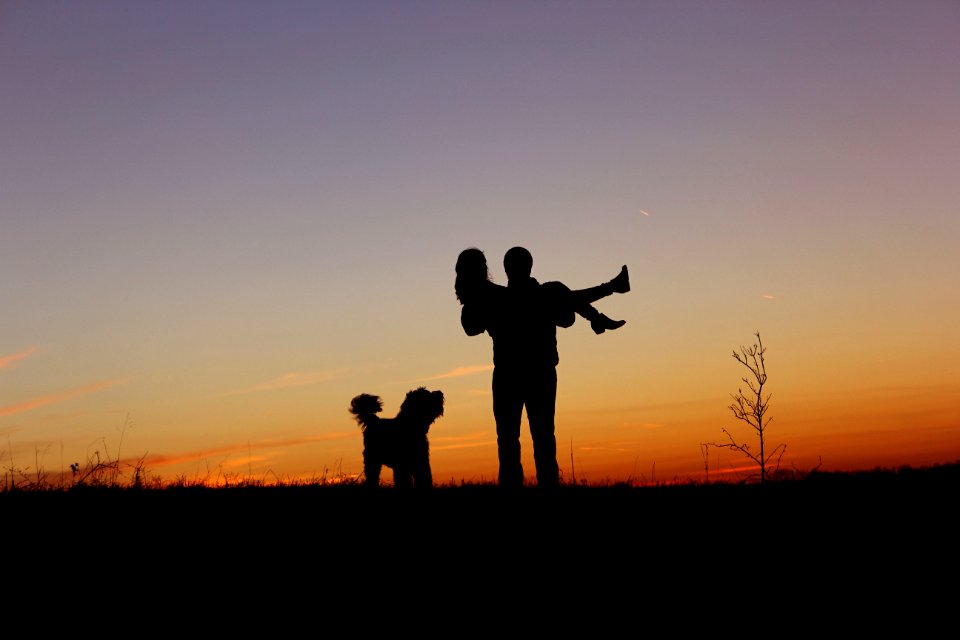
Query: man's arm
564, 318
558, 301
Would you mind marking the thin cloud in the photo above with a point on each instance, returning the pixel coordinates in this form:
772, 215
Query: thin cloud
642, 425
243, 462
57, 397
163, 460
293, 379
735, 470
7, 361
470, 436
459, 372
465, 445
652, 407
478, 439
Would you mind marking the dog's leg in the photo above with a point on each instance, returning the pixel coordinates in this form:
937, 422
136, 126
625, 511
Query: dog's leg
371, 471
422, 475
424, 478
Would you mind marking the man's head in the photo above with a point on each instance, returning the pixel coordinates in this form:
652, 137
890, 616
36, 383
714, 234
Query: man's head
518, 263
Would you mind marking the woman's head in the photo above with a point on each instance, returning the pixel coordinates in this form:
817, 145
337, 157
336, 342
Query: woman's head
471, 272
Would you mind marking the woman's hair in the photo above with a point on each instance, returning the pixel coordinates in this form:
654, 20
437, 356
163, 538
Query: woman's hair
471, 272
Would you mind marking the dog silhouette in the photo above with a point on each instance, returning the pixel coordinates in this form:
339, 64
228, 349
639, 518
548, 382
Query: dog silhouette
399, 443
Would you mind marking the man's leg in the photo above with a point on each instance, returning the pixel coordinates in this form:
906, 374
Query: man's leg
507, 411
541, 411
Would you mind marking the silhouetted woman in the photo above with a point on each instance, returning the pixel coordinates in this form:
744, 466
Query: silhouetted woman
477, 293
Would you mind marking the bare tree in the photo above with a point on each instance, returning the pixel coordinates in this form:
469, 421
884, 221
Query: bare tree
751, 407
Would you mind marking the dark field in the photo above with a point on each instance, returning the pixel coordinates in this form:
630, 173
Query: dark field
829, 547
823, 510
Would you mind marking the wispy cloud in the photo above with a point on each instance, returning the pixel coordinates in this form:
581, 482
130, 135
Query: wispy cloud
465, 445
53, 398
478, 439
470, 436
459, 372
293, 379
767, 296
163, 460
642, 425
673, 407
7, 361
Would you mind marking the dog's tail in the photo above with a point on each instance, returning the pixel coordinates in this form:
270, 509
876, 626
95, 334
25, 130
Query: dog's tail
365, 408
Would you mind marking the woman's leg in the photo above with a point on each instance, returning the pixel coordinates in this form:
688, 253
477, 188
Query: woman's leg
582, 298
620, 284
598, 322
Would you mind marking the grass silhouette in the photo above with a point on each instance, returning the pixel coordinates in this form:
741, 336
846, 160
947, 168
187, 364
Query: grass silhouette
121, 504
858, 528
822, 492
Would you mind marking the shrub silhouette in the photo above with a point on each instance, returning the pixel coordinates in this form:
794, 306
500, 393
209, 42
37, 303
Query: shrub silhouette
751, 408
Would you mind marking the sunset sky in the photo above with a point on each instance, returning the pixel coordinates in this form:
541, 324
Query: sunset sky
221, 220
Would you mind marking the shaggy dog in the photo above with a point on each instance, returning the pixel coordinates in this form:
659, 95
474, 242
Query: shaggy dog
401, 442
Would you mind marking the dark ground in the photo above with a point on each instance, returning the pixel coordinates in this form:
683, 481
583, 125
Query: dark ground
825, 541
882, 504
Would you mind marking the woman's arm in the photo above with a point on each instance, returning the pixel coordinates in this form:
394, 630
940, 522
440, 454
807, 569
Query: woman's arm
473, 320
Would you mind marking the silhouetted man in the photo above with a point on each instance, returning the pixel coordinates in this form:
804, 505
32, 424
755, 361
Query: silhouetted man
523, 325
522, 318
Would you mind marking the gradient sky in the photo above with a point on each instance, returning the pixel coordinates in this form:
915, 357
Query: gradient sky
221, 220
